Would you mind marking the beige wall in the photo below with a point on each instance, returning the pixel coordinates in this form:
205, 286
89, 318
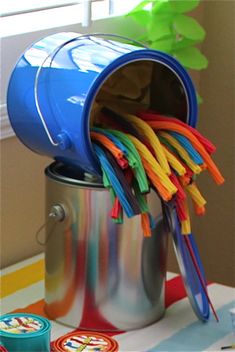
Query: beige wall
22, 179
22, 200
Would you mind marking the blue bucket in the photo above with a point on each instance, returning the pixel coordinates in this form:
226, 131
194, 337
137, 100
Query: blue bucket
55, 83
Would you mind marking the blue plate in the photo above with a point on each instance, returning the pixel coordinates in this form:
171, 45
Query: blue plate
193, 285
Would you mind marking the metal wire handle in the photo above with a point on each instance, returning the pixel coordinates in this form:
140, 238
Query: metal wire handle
57, 214
52, 54
43, 243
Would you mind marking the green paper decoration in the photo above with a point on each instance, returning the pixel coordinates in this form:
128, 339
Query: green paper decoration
199, 99
188, 27
191, 58
161, 7
142, 17
165, 45
182, 6
159, 29
168, 29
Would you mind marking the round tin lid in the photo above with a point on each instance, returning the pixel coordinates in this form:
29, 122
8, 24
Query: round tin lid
23, 325
85, 341
193, 285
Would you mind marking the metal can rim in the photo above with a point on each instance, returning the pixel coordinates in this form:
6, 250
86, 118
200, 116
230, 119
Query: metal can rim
52, 173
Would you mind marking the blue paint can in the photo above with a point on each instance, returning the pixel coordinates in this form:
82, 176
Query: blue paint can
25, 332
56, 81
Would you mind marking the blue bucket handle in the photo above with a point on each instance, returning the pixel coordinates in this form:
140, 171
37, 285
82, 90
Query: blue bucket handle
63, 138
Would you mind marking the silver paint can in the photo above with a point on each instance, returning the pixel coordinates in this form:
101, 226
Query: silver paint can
100, 275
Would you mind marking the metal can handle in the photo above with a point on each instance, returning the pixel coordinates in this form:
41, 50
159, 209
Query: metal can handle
51, 55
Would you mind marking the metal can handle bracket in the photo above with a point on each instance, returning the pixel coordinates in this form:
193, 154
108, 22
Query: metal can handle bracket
57, 213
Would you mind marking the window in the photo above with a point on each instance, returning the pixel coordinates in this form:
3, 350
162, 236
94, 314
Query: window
29, 15
12, 7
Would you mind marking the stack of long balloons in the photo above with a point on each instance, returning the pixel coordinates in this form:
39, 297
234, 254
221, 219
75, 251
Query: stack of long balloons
151, 150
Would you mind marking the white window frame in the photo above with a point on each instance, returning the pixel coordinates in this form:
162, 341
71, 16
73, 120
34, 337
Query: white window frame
12, 10
12, 47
